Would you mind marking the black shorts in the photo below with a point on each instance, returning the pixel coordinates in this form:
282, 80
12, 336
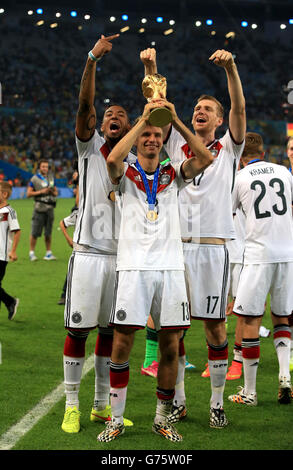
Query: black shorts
42, 220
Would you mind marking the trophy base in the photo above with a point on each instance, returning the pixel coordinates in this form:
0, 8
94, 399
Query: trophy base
160, 117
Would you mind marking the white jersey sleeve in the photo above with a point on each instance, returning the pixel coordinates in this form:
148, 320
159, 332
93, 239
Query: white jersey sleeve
12, 219
8, 225
70, 220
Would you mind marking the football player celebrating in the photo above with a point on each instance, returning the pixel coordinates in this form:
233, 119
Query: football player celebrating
92, 266
150, 262
206, 257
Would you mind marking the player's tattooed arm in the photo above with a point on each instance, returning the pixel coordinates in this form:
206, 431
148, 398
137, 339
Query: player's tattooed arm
86, 114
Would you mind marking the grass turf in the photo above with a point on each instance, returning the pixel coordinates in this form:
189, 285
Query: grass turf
32, 349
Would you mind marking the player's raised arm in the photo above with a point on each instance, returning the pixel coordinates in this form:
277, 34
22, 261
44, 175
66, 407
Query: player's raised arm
237, 115
86, 114
149, 60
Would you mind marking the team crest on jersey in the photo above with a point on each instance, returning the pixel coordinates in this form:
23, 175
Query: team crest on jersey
76, 317
3, 217
137, 178
121, 315
165, 178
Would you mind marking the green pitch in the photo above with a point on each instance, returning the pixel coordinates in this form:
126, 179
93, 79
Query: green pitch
31, 367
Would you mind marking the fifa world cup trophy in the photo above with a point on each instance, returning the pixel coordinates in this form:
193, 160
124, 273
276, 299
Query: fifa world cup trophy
155, 87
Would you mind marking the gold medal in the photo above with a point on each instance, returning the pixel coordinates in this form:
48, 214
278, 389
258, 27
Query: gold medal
152, 215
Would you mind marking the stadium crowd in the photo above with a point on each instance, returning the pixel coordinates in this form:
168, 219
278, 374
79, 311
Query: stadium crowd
40, 94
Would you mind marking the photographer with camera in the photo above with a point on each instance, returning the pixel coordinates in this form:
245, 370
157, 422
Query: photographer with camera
42, 188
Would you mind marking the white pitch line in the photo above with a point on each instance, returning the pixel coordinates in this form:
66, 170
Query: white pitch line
18, 430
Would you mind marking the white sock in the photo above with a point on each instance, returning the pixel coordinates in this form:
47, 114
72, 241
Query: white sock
102, 382
282, 346
218, 371
163, 409
72, 377
180, 398
118, 402
250, 367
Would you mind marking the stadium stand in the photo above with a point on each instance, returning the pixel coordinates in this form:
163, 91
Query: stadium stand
42, 74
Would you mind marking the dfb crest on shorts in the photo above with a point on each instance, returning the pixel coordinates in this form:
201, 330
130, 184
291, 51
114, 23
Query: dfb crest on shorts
76, 317
121, 315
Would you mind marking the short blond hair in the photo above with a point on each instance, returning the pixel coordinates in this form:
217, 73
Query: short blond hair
6, 187
254, 146
212, 98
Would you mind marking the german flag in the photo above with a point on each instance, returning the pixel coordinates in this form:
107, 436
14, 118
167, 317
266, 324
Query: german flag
289, 130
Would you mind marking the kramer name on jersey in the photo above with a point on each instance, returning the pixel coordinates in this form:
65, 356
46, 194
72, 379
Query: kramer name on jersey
259, 171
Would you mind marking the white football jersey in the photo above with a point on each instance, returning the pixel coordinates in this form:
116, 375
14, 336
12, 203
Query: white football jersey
144, 244
95, 226
8, 224
211, 191
264, 192
236, 246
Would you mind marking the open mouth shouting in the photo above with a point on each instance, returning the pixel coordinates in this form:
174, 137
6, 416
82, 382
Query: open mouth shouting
200, 120
115, 127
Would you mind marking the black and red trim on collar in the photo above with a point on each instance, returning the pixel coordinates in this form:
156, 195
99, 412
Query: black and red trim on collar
214, 148
166, 177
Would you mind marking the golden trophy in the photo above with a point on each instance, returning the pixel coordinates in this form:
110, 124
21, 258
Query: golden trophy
154, 87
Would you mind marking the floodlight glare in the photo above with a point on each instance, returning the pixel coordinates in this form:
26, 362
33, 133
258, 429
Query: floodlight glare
209, 22
39, 11
124, 17
73, 14
159, 19
244, 24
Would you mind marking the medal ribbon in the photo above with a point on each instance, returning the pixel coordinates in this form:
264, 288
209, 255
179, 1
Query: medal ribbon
151, 196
